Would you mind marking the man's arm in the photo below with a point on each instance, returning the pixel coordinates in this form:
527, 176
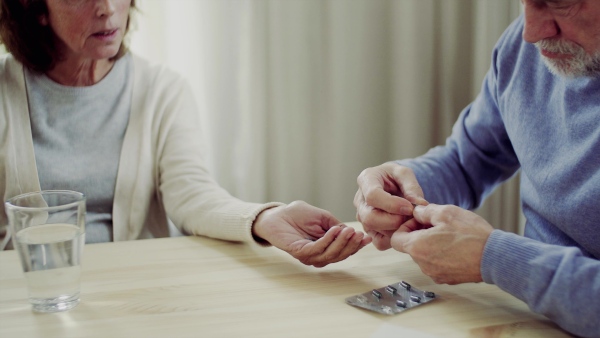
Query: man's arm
476, 158
556, 281
453, 245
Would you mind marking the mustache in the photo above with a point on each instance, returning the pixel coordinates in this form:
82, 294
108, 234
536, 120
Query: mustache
560, 46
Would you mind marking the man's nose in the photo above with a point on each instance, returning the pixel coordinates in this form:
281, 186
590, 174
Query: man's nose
539, 22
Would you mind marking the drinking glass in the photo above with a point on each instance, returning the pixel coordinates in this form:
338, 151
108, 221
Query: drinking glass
48, 230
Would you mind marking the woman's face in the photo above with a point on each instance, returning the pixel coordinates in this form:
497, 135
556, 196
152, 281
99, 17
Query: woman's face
88, 29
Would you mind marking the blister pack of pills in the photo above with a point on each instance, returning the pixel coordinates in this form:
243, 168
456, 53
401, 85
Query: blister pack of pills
391, 299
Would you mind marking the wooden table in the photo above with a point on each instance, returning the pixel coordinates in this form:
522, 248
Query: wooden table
200, 287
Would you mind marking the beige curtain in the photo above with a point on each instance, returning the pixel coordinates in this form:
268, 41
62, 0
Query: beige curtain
298, 96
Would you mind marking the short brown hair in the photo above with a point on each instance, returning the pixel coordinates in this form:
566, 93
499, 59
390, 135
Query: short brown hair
30, 42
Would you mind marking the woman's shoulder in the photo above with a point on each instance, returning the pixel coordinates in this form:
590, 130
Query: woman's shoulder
11, 75
9, 65
149, 72
4, 58
154, 83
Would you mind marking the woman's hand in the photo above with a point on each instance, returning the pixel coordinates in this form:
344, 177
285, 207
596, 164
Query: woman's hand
311, 235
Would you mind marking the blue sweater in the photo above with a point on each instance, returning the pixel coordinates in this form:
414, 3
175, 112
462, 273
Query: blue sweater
548, 127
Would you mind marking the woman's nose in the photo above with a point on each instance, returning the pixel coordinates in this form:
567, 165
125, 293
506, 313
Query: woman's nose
105, 8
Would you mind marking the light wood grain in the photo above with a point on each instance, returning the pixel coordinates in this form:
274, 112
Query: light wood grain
200, 287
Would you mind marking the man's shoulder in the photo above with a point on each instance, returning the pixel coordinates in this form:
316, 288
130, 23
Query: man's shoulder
513, 35
516, 61
511, 47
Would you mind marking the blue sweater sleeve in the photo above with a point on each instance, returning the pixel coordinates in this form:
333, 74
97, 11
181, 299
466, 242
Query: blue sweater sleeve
556, 281
477, 157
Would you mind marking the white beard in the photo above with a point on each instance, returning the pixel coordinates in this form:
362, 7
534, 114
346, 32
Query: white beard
580, 64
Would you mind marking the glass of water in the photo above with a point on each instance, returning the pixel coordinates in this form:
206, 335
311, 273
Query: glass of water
48, 229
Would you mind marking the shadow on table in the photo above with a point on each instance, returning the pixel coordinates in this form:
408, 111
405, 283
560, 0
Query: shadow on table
359, 273
527, 329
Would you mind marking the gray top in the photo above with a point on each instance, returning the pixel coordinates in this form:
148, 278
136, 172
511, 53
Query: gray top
77, 135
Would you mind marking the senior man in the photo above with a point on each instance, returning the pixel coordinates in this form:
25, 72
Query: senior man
539, 112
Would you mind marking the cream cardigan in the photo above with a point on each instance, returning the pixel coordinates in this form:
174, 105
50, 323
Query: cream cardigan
161, 171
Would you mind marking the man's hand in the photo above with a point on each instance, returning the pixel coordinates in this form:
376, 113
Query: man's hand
446, 242
311, 235
385, 199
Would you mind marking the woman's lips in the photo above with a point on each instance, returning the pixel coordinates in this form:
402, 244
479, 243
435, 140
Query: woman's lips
107, 35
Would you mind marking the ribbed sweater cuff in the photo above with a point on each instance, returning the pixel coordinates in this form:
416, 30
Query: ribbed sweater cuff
246, 217
505, 262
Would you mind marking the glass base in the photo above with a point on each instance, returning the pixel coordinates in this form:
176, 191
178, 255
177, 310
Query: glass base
62, 303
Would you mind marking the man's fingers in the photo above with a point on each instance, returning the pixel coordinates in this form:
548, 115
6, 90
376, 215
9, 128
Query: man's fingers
412, 228
400, 240
409, 186
375, 218
382, 200
370, 216
411, 225
358, 198
391, 188
375, 193
381, 240
433, 214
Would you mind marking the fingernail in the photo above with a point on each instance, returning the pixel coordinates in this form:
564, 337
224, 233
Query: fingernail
405, 211
349, 235
422, 201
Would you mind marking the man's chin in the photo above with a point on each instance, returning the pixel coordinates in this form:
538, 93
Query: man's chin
559, 68
570, 69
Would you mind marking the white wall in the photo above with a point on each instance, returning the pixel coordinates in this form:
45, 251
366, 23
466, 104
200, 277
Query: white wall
299, 96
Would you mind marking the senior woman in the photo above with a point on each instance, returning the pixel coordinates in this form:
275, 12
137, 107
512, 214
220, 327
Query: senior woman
80, 112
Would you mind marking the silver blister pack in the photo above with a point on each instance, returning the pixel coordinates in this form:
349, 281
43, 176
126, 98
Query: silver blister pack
391, 299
